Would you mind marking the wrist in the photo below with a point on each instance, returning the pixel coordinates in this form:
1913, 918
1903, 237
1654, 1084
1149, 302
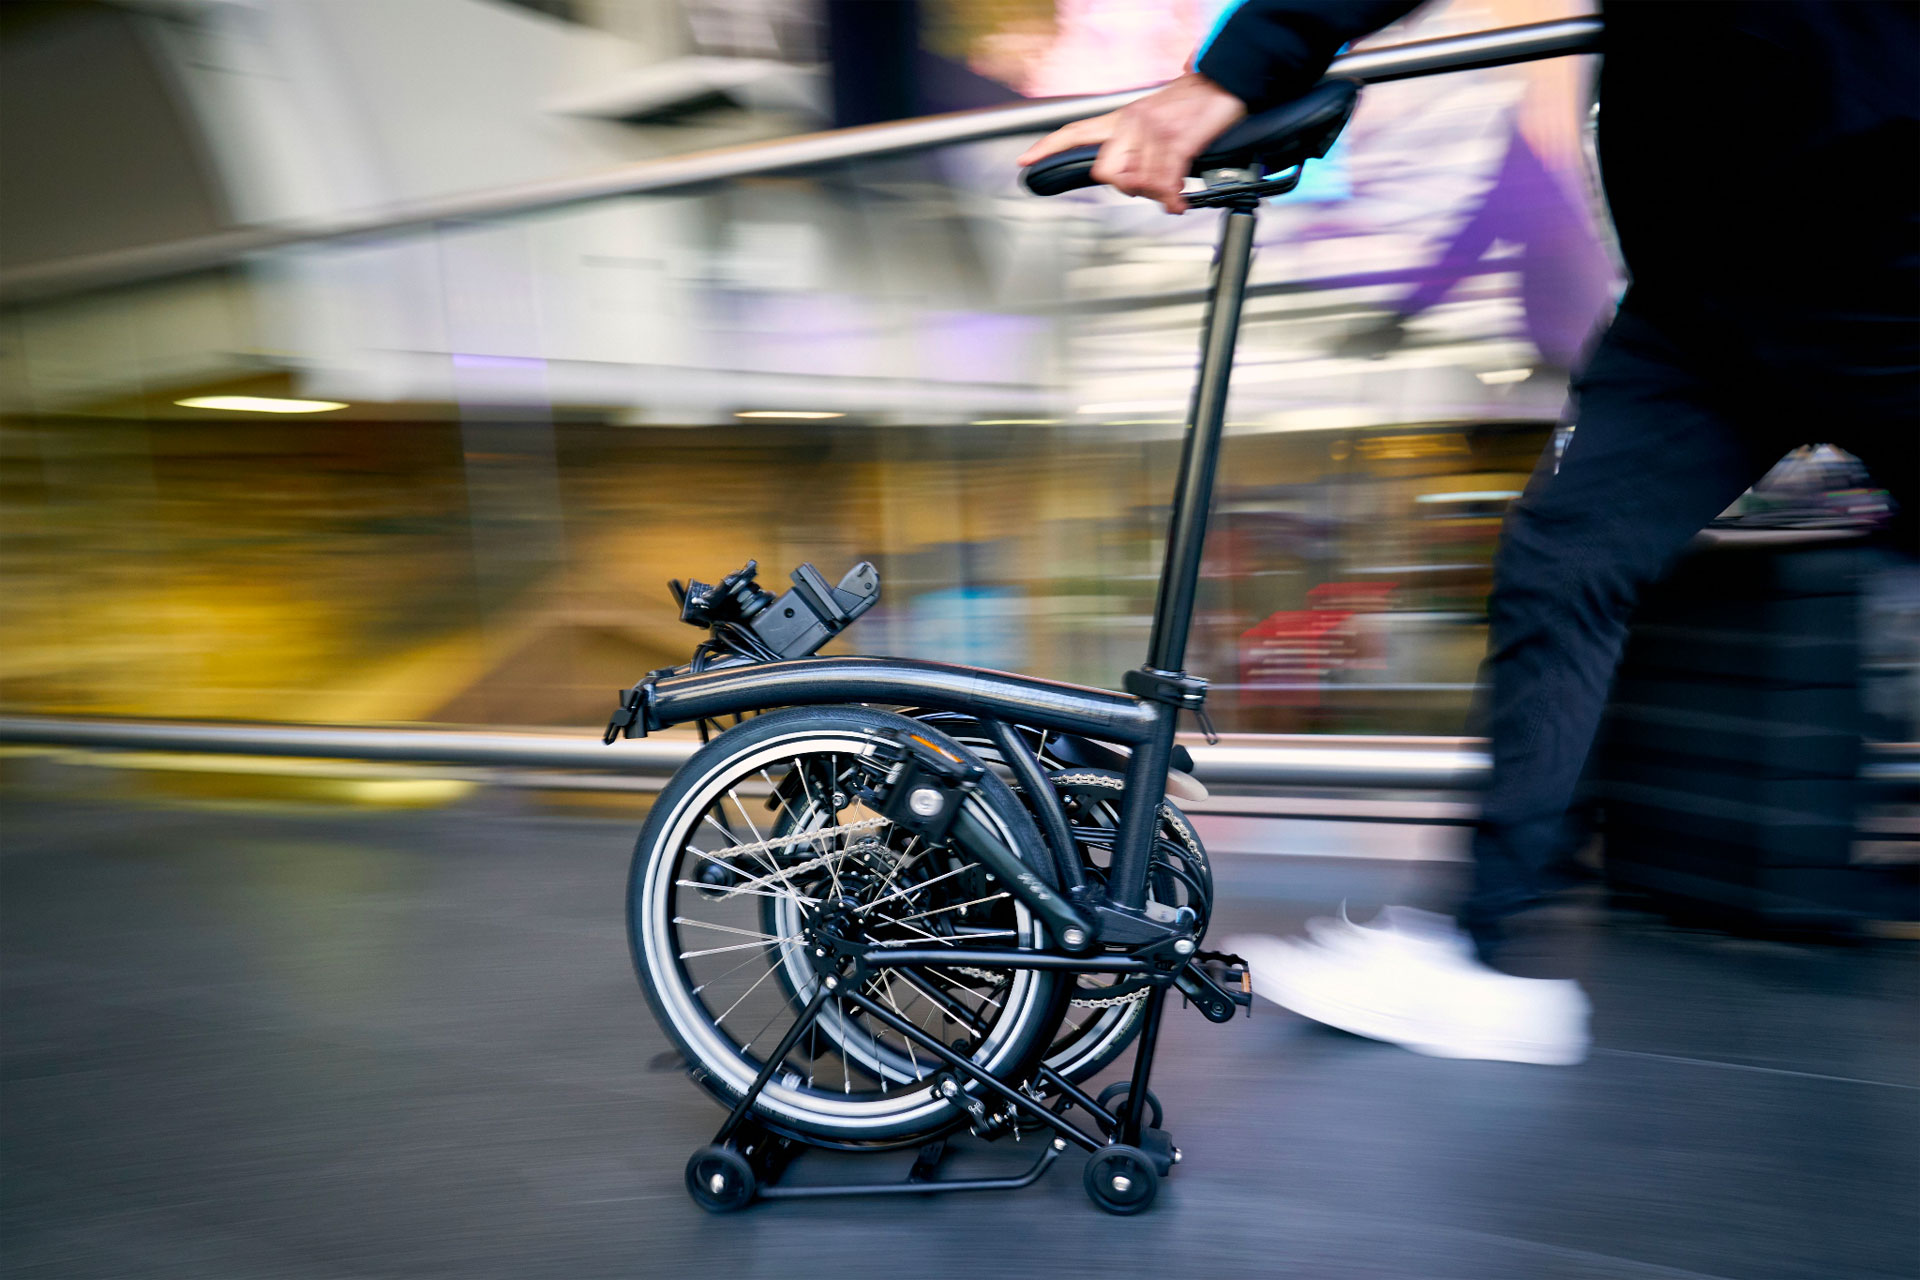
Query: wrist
1208, 108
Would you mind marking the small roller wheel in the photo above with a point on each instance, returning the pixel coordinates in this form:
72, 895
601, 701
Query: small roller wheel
1121, 1180
720, 1180
1114, 1099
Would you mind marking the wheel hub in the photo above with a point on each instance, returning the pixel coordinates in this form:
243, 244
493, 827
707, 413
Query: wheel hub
826, 930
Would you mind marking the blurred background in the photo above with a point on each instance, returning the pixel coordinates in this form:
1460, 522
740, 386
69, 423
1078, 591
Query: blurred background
364, 362
501, 434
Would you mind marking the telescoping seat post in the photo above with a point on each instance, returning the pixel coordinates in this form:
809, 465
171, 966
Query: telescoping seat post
1163, 679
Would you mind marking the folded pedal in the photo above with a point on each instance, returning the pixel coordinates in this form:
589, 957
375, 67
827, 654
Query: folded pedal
1217, 982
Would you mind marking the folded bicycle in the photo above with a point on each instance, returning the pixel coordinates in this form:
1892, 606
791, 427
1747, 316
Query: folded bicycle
892, 900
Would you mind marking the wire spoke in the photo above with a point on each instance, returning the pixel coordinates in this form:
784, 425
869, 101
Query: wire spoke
771, 970
945, 942
886, 993
734, 842
922, 985
821, 842
728, 974
911, 889
735, 890
762, 1031
727, 928
743, 946
978, 995
899, 865
958, 906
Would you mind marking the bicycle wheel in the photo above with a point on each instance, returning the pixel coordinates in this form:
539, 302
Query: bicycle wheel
758, 833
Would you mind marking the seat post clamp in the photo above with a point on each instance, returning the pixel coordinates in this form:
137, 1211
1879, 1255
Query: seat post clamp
1173, 689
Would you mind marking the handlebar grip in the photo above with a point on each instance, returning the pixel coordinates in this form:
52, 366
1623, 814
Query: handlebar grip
1064, 171
1276, 139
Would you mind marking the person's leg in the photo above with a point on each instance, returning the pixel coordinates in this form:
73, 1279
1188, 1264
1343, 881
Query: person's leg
1656, 453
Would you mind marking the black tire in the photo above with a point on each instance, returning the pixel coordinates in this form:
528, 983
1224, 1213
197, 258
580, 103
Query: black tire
1121, 1180
720, 1180
1114, 1099
1013, 1014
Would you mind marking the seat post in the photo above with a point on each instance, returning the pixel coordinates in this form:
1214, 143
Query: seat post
1163, 679
1200, 454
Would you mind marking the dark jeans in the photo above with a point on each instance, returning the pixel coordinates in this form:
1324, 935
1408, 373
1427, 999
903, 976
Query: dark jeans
1673, 422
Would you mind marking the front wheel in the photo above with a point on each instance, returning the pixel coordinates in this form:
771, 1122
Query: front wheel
751, 842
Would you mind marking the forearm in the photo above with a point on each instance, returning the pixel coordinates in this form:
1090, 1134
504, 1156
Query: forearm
1271, 51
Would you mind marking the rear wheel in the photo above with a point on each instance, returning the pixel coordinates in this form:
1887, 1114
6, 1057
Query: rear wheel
757, 838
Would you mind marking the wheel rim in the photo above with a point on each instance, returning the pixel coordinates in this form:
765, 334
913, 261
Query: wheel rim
709, 969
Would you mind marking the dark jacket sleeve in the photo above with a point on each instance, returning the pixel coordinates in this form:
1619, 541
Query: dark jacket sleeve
1270, 51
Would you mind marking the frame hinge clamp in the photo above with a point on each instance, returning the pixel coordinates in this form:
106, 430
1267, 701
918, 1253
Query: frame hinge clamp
630, 717
1173, 689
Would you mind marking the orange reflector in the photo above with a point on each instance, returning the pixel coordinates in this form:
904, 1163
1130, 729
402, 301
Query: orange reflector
934, 746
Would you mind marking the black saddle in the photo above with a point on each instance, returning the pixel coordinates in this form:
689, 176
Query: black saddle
1278, 139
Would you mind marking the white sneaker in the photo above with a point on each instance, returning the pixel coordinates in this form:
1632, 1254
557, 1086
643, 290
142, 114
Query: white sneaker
1412, 979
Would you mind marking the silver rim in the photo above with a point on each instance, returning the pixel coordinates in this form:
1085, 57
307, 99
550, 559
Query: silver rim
690, 837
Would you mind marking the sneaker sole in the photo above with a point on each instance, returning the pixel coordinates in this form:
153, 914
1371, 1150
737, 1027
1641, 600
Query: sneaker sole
1372, 1024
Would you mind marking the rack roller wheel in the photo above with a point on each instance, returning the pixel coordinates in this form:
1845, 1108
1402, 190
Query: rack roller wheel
720, 1180
1114, 1099
1121, 1180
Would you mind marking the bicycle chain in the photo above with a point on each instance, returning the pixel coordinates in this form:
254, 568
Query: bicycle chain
780, 843
1171, 817
1088, 1002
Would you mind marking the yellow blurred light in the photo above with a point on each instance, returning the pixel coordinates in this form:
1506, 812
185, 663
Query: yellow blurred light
789, 415
1495, 377
260, 404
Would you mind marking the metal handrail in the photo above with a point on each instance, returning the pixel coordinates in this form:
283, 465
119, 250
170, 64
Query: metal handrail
679, 173
1270, 760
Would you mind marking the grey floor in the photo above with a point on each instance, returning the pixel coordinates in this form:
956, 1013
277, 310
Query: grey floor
328, 1044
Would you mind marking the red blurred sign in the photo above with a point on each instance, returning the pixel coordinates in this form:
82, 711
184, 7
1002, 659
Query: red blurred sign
1285, 660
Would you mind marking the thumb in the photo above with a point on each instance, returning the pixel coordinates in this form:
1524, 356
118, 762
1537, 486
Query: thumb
1080, 133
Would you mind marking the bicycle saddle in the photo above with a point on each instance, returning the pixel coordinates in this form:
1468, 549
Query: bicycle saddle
1276, 139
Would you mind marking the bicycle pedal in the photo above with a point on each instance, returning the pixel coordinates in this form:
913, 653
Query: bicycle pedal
1232, 975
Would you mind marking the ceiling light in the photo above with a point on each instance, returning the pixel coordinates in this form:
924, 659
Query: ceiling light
1475, 495
1497, 376
1014, 422
789, 415
260, 404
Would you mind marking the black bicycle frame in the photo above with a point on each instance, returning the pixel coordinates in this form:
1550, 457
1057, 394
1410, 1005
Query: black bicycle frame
1143, 719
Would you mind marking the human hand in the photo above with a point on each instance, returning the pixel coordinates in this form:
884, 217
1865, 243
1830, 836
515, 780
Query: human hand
1147, 147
